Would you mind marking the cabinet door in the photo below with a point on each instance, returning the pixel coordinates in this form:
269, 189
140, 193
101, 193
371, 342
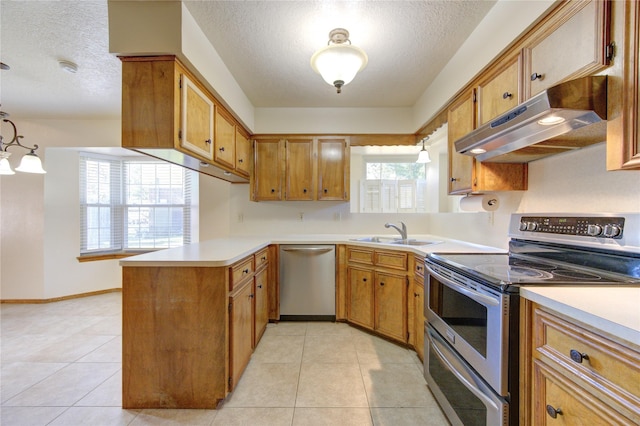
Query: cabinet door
553, 391
360, 297
243, 153
333, 169
299, 172
461, 119
196, 119
262, 304
499, 93
418, 315
391, 305
575, 47
241, 331
225, 140
267, 176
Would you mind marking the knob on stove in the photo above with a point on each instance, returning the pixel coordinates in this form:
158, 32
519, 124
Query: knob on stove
528, 226
611, 231
594, 230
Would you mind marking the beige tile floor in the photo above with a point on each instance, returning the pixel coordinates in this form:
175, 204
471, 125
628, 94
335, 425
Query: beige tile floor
61, 365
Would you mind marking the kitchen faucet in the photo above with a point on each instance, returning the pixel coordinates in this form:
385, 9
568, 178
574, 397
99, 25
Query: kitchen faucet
403, 231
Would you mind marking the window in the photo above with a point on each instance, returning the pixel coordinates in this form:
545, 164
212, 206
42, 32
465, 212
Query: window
134, 204
393, 186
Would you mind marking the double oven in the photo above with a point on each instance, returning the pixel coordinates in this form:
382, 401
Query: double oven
472, 304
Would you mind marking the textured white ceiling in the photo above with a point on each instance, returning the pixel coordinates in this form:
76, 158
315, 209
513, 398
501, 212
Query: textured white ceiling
266, 45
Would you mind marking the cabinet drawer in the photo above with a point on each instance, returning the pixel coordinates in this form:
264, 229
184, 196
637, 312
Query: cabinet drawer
241, 271
359, 255
419, 267
261, 258
391, 259
576, 406
612, 366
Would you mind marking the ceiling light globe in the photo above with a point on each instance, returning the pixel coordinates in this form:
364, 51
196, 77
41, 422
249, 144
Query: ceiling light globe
339, 62
31, 163
5, 167
423, 157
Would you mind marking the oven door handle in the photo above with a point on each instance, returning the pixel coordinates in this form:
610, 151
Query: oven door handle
459, 370
479, 297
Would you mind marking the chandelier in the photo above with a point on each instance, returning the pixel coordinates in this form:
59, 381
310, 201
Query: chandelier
30, 162
339, 62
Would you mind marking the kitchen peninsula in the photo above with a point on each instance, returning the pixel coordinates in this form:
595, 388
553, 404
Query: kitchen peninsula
190, 319
190, 314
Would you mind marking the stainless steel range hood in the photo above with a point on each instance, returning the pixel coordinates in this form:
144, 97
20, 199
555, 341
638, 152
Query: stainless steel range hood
568, 116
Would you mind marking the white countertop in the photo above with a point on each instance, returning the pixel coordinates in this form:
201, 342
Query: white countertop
614, 310
226, 251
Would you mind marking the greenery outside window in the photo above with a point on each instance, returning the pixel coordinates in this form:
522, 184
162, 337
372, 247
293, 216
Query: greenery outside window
393, 185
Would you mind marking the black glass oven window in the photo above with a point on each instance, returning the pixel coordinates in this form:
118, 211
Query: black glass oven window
467, 317
470, 409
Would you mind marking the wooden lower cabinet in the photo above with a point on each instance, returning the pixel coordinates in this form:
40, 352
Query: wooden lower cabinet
188, 332
574, 374
360, 297
377, 287
418, 312
391, 305
174, 338
241, 331
261, 304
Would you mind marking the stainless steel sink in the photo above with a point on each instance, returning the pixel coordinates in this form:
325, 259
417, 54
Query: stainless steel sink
386, 240
415, 242
390, 240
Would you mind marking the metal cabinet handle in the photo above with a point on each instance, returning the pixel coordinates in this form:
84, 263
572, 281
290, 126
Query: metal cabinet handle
553, 412
240, 160
577, 356
208, 141
364, 280
535, 76
273, 190
419, 268
260, 286
415, 295
304, 190
326, 190
381, 283
263, 258
221, 148
251, 296
454, 179
506, 95
245, 271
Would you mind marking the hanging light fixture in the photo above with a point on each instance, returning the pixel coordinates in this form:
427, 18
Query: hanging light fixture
30, 162
423, 155
339, 62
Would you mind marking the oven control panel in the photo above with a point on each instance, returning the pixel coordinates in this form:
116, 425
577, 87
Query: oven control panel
604, 227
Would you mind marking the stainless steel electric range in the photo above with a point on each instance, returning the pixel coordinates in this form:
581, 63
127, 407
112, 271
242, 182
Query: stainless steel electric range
472, 304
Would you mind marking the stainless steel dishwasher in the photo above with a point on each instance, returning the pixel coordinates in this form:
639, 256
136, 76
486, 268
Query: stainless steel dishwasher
307, 282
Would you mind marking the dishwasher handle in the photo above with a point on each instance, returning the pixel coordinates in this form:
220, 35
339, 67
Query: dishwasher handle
318, 250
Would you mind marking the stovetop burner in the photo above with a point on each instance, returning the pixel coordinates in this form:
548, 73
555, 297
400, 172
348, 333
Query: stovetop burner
510, 273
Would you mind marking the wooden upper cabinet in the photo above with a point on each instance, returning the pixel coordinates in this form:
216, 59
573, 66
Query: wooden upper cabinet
623, 109
461, 119
465, 173
168, 114
196, 123
333, 169
243, 152
299, 169
497, 93
225, 139
311, 168
267, 175
572, 43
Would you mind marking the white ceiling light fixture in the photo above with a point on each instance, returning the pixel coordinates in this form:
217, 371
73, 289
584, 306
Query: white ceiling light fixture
423, 155
339, 62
